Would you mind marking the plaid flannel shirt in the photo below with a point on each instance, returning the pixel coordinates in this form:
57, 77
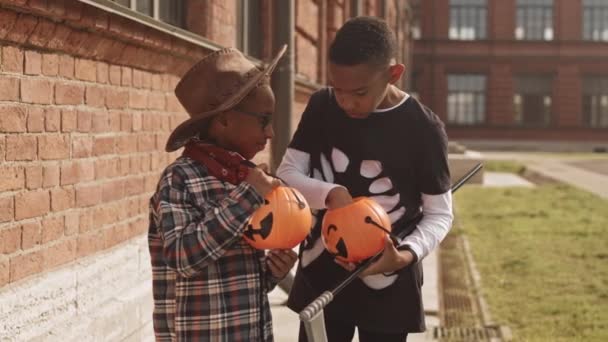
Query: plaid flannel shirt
208, 283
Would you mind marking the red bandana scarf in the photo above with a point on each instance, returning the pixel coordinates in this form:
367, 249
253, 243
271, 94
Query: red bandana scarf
225, 165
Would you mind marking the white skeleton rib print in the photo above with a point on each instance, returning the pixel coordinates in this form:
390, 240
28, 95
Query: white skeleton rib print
380, 186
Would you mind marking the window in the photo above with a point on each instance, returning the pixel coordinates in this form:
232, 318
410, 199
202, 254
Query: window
595, 101
532, 100
415, 19
144, 6
126, 3
595, 20
249, 38
168, 11
534, 20
466, 99
468, 19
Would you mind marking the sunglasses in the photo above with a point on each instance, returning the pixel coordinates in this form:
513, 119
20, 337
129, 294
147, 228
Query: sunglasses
264, 119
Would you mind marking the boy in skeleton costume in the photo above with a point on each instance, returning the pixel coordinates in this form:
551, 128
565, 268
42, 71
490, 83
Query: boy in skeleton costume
365, 137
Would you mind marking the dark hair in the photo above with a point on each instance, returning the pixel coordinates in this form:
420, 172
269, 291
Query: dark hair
361, 40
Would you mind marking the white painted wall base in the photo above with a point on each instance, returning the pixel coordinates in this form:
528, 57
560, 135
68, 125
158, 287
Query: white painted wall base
103, 297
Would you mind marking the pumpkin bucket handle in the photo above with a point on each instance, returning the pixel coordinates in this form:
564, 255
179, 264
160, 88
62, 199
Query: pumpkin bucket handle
301, 203
394, 238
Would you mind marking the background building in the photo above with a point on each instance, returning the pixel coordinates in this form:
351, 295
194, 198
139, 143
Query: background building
86, 105
515, 73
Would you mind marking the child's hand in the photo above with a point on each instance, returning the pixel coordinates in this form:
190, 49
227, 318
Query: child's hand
261, 181
390, 261
338, 197
280, 261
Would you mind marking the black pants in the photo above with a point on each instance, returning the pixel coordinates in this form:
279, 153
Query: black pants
344, 332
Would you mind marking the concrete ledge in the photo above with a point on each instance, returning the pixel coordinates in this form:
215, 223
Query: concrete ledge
505, 179
461, 163
107, 296
535, 145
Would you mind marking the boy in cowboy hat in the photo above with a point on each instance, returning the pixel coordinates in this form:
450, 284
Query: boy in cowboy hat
208, 283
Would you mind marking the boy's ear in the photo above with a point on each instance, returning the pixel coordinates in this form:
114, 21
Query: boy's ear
396, 71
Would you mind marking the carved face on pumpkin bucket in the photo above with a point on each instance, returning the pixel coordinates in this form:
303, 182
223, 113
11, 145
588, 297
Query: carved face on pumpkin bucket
355, 232
281, 223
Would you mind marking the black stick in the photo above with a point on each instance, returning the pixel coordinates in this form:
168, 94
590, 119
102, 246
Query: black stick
466, 177
318, 304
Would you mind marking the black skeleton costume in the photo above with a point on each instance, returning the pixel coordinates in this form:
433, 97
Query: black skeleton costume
396, 156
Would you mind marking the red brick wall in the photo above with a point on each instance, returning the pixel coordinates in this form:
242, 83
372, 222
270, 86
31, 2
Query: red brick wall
86, 105
213, 19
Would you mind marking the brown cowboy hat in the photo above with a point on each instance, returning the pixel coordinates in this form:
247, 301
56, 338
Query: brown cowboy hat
215, 84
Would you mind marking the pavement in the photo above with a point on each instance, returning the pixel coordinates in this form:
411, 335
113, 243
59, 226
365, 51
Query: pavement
586, 173
504, 179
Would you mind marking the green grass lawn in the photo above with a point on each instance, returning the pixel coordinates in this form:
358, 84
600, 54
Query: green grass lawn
543, 258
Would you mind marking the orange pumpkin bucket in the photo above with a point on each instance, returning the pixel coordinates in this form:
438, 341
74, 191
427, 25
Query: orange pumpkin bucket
282, 222
352, 233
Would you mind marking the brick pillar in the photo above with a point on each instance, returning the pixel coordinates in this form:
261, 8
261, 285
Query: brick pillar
439, 91
500, 96
567, 97
441, 15
501, 19
427, 22
568, 16
424, 82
